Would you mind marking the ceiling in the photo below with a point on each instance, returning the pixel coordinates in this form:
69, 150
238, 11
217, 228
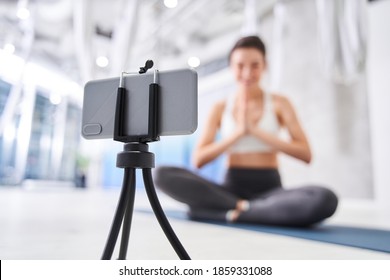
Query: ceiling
69, 35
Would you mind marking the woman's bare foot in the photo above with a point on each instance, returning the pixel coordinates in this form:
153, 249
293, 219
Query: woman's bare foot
232, 215
242, 205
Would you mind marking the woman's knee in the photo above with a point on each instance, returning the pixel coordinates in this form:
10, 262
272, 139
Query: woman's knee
330, 201
326, 201
164, 175
161, 174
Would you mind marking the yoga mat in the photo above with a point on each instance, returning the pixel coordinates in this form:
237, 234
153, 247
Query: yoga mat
364, 238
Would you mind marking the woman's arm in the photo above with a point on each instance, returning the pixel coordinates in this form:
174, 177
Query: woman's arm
207, 149
298, 146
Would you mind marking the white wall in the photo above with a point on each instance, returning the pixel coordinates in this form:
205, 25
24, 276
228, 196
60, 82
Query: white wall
378, 74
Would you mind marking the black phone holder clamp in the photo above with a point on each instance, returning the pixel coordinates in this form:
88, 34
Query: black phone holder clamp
152, 135
136, 155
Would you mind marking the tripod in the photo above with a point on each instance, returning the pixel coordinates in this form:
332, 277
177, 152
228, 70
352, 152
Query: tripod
137, 155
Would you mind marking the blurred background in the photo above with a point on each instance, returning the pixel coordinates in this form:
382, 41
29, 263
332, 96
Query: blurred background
331, 58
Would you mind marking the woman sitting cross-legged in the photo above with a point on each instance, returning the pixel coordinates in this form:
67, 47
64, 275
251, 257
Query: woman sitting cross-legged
249, 122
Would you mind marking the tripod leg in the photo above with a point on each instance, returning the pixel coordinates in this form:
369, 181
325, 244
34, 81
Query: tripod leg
162, 219
128, 216
116, 224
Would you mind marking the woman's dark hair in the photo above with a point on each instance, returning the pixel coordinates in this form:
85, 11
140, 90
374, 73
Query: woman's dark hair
249, 42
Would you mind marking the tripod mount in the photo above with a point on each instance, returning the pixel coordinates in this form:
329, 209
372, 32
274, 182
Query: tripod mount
136, 155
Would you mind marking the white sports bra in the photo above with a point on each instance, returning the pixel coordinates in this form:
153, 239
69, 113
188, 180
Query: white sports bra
247, 144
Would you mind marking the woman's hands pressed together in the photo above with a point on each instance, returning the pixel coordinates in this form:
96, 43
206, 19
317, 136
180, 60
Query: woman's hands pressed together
248, 115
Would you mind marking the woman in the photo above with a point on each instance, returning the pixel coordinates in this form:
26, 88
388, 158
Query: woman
249, 122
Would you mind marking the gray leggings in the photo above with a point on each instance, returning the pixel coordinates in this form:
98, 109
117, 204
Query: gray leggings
269, 202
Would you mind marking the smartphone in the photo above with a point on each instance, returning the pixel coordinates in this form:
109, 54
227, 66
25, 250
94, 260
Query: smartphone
177, 109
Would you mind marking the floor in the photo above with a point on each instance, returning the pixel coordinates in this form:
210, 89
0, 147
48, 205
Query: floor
67, 223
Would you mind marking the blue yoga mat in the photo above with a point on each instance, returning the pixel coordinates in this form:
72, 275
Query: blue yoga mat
365, 238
